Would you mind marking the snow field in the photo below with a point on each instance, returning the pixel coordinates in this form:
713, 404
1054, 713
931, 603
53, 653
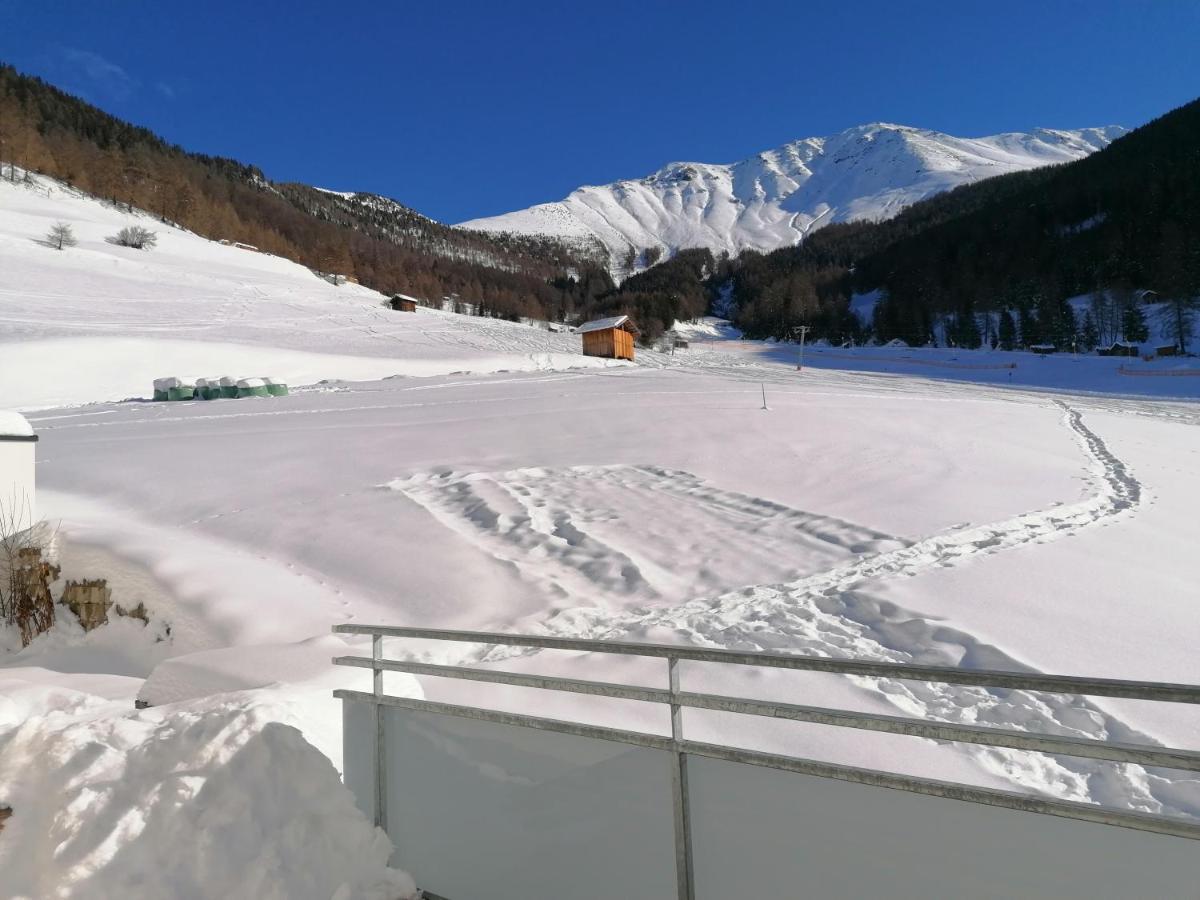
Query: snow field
101, 322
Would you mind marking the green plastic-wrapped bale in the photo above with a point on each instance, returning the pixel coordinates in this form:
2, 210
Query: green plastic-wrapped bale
276, 388
229, 388
252, 387
174, 388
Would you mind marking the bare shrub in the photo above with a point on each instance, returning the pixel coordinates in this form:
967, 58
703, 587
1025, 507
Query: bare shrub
135, 236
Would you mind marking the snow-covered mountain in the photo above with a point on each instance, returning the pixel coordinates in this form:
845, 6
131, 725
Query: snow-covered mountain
775, 198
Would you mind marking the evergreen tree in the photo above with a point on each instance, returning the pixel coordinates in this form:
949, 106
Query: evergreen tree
1030, 333
1008, 330
1133, 323
1089, 335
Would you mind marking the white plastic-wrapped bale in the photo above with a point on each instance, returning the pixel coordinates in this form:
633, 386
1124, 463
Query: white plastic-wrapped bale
252, 387
276, 388
18, 445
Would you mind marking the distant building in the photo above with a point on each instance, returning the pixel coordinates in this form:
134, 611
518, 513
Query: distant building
1119, 348
17, 449
611, 338
1044, 348
403, 303
1167, 350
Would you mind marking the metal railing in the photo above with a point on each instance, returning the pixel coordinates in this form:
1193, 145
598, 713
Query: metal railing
677, 700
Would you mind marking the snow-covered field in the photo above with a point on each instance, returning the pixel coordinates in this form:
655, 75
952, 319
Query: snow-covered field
100, 322
898, 515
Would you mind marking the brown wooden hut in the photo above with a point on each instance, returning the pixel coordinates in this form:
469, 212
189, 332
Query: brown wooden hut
611, 338
403, 303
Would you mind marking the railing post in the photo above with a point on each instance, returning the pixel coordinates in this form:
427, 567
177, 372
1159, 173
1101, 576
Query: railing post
679, 790
380, 755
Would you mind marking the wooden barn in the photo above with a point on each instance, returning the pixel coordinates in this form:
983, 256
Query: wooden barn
403, 303
611, 338
1119, 348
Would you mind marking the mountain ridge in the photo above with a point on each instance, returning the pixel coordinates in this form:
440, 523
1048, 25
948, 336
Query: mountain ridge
778, 196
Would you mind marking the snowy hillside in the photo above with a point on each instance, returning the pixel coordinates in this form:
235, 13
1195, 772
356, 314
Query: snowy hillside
775, 198
99, 321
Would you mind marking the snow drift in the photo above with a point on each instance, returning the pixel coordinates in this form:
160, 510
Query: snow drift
216, 799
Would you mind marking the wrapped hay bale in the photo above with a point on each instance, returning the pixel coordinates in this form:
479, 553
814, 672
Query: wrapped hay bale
208, 388
175, 387
276, 388
229, 387
184, 390
252, 387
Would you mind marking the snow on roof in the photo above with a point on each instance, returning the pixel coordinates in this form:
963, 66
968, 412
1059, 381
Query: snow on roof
605, 324
13, 424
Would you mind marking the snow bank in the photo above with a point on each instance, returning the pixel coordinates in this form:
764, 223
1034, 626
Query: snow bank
14, 424
218, 799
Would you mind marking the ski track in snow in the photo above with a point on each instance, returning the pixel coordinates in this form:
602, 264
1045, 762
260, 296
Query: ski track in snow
826, 613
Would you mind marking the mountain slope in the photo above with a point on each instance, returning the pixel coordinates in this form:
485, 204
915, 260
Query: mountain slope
774, 199
380, 242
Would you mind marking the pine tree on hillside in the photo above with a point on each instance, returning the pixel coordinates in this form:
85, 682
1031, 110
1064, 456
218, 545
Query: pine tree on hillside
1007, 330
1133, 323
1030, 333
1089, 336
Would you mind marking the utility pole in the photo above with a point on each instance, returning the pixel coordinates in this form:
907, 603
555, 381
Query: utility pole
802, 332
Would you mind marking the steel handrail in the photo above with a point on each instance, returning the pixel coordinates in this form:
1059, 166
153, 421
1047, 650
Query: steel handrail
677, 700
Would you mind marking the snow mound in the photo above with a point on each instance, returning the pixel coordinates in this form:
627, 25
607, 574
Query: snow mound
14, 424
217, 800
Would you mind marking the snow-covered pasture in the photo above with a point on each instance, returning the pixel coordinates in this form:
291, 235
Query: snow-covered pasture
514, 503
99, 322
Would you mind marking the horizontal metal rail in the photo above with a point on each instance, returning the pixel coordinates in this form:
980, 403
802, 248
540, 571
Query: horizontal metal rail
545, 682
985, 678
599, 732
1140, 754
1024, 802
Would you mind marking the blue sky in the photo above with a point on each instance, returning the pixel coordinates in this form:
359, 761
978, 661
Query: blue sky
475, 108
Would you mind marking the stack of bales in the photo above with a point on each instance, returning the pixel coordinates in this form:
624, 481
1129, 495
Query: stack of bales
216, 388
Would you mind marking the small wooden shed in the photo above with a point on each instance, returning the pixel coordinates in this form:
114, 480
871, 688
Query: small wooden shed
1119, 348
611, 338
403, 303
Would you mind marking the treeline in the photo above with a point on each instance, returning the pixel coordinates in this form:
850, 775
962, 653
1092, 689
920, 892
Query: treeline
377, 241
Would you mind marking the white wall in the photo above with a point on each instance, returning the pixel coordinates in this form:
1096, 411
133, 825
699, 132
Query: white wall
17, 498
